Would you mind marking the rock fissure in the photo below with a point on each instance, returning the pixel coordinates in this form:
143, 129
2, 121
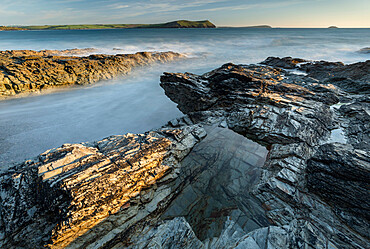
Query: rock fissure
250, 165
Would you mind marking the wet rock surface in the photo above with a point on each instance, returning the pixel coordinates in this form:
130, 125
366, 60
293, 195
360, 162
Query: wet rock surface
365, 50
339, 174
228, 166
294, 116
82, 195
353, 78
263, 158
24, 71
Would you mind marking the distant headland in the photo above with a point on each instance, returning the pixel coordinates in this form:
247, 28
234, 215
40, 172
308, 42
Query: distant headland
6, 28
251, 27
174, 24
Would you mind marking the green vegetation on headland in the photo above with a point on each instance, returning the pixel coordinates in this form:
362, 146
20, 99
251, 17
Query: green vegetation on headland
332, 27
252, 27
10, 28
174, 24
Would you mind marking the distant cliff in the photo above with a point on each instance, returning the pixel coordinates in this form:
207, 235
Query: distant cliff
174, 24
182, 24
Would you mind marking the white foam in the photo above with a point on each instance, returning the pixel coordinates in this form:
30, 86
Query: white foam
337, 136
338, 105
296, 71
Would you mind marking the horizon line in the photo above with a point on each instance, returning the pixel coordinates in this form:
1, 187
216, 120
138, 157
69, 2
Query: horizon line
217, 26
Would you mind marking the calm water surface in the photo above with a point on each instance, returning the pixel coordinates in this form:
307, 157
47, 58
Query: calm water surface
136, 103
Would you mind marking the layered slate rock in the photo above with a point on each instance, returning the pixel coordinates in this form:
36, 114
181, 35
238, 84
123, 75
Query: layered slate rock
87, 195
340, 174
177, 233
252, 164
356, 122
354, 78
23, 71
215, 208
291, 115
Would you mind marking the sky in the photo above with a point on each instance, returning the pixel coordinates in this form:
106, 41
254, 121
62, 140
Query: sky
277, 13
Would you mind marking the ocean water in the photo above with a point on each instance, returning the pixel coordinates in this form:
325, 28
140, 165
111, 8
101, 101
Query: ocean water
135, 103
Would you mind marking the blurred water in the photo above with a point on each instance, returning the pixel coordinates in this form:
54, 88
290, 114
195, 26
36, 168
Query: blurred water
136, 103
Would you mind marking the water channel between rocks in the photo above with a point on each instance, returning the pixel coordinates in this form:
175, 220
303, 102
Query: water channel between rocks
224, 168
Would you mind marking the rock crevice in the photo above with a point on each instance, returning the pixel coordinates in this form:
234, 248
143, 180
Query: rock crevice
254, 162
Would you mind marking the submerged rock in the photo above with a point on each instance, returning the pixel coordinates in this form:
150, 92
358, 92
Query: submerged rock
23, 71
365, 50
229, 166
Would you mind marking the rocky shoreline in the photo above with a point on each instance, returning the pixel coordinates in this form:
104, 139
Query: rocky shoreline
263, 158
27, 71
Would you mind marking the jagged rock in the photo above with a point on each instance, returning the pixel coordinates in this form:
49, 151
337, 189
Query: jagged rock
290, 115
340, 175
356, 122
45, 53
23, 71
286, 62
177, 233
254, 101
354, 78
85, 195
267, 175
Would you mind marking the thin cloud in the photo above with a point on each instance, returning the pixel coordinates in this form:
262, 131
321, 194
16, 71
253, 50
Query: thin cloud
251, 6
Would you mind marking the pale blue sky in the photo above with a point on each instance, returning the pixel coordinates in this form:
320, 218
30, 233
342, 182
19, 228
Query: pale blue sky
278, 13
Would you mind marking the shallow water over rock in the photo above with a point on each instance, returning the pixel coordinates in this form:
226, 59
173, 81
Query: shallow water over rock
229, 167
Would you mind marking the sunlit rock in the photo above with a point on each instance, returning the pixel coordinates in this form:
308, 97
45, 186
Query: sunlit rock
25, 71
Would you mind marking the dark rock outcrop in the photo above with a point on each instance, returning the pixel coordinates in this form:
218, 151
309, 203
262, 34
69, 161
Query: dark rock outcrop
88, 194
286, 62
356, 122
23, 71
290, 115
254, 163
365, 50
353, 78
340, 175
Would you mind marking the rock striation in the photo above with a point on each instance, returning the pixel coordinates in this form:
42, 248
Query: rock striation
24, 71
83, 195
262, 158
314, 190
353, 78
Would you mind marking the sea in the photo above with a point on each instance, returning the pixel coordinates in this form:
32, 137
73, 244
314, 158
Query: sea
135, 103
